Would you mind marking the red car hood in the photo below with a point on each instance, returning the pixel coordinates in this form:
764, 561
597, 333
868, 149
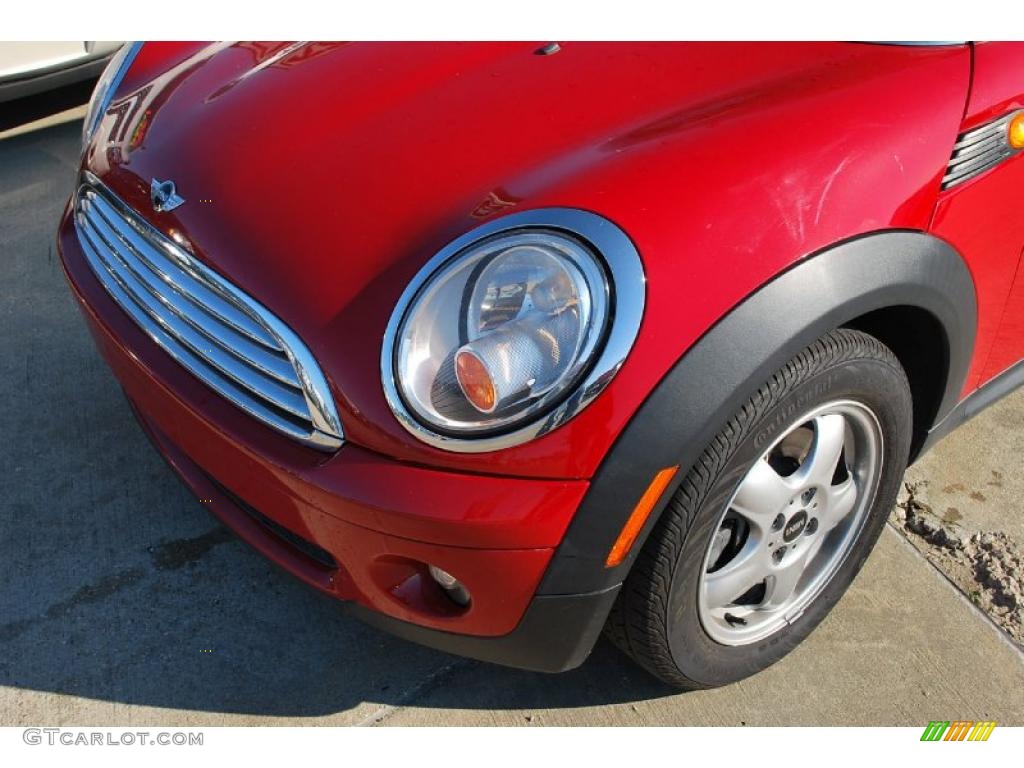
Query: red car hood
311, 170
319, 177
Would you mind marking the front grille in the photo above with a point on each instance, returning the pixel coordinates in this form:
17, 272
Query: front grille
222, 336
978, 150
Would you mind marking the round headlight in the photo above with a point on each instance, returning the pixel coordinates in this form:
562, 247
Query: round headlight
105, 87
502, 328
501, 331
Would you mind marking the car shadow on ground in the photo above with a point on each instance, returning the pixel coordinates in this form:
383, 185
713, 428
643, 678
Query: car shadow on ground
118, 585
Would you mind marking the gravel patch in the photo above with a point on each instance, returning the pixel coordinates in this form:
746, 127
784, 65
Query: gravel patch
987, 566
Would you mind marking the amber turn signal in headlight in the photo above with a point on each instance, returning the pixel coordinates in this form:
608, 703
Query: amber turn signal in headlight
475, 381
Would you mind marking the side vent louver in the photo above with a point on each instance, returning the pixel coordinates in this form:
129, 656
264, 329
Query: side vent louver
979, 149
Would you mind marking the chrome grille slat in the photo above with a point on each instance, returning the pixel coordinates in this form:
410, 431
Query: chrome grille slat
205, 298
217, 333
224, 338
980, 160
224, 386
993, 135
977, 150
988, 144
995, 128
275, 393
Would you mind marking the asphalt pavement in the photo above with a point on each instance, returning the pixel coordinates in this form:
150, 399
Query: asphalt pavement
123, 602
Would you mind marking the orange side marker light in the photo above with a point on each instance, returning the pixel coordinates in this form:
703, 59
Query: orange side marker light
1015, 131
641, 512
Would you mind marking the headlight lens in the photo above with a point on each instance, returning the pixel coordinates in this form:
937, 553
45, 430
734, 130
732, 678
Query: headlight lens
105, 87
501, 332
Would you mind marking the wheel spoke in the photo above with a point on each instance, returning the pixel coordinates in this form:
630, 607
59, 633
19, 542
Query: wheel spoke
839, 503
729, 582
812, 550
821, 462
783, 581
762, 494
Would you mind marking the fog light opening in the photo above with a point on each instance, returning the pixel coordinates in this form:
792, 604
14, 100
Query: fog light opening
451, 586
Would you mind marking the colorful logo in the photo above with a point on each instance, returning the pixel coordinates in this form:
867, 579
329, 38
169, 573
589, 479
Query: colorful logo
958, 730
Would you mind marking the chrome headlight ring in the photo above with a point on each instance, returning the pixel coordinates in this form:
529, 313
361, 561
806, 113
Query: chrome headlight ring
580, 237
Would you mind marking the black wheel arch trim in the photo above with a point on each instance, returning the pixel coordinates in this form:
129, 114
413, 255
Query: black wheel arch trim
893, 268
988, 394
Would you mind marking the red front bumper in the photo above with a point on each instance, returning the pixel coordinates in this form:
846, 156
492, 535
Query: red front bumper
354, 524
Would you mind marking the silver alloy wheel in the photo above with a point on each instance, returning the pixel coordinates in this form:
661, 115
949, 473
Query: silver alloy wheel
790, 523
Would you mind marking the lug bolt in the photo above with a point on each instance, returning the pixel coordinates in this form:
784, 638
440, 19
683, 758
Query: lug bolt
779, 521
812, 526
778, 554
807, 495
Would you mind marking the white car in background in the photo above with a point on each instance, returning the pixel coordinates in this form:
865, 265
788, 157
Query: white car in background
29, 68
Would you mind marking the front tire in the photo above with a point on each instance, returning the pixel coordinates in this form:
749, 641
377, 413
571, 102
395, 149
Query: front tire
770, 526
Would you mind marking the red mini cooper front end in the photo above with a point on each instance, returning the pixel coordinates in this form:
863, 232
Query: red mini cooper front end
209, 373
460, 333
271, 319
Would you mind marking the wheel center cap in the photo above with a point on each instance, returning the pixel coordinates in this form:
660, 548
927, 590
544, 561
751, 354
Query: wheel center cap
795, 526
